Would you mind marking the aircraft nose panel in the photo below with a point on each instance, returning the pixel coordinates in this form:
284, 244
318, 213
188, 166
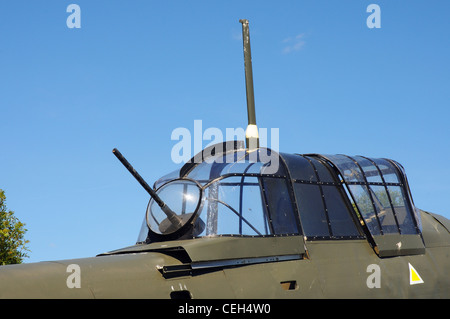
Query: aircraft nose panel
39, 280
118, 276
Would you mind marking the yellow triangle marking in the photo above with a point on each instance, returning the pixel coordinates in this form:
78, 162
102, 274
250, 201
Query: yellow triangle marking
414, 277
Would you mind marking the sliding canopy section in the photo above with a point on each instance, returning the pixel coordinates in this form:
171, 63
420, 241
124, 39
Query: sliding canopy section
380, 196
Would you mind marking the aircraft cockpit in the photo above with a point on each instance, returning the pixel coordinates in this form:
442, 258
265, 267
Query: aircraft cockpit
225, 190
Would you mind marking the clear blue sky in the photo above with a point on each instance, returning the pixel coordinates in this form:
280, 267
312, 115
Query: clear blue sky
136, 70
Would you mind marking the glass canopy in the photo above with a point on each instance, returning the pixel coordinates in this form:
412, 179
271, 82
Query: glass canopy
234, 192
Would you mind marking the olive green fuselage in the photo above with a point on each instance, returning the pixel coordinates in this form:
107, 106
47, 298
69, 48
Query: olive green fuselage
241, 267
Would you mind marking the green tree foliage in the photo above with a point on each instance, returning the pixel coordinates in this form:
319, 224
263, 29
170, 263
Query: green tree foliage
12, 242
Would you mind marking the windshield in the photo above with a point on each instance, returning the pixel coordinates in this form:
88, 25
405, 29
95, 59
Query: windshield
229, 194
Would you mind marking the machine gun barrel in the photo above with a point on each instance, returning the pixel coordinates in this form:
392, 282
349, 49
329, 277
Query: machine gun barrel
173, 217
